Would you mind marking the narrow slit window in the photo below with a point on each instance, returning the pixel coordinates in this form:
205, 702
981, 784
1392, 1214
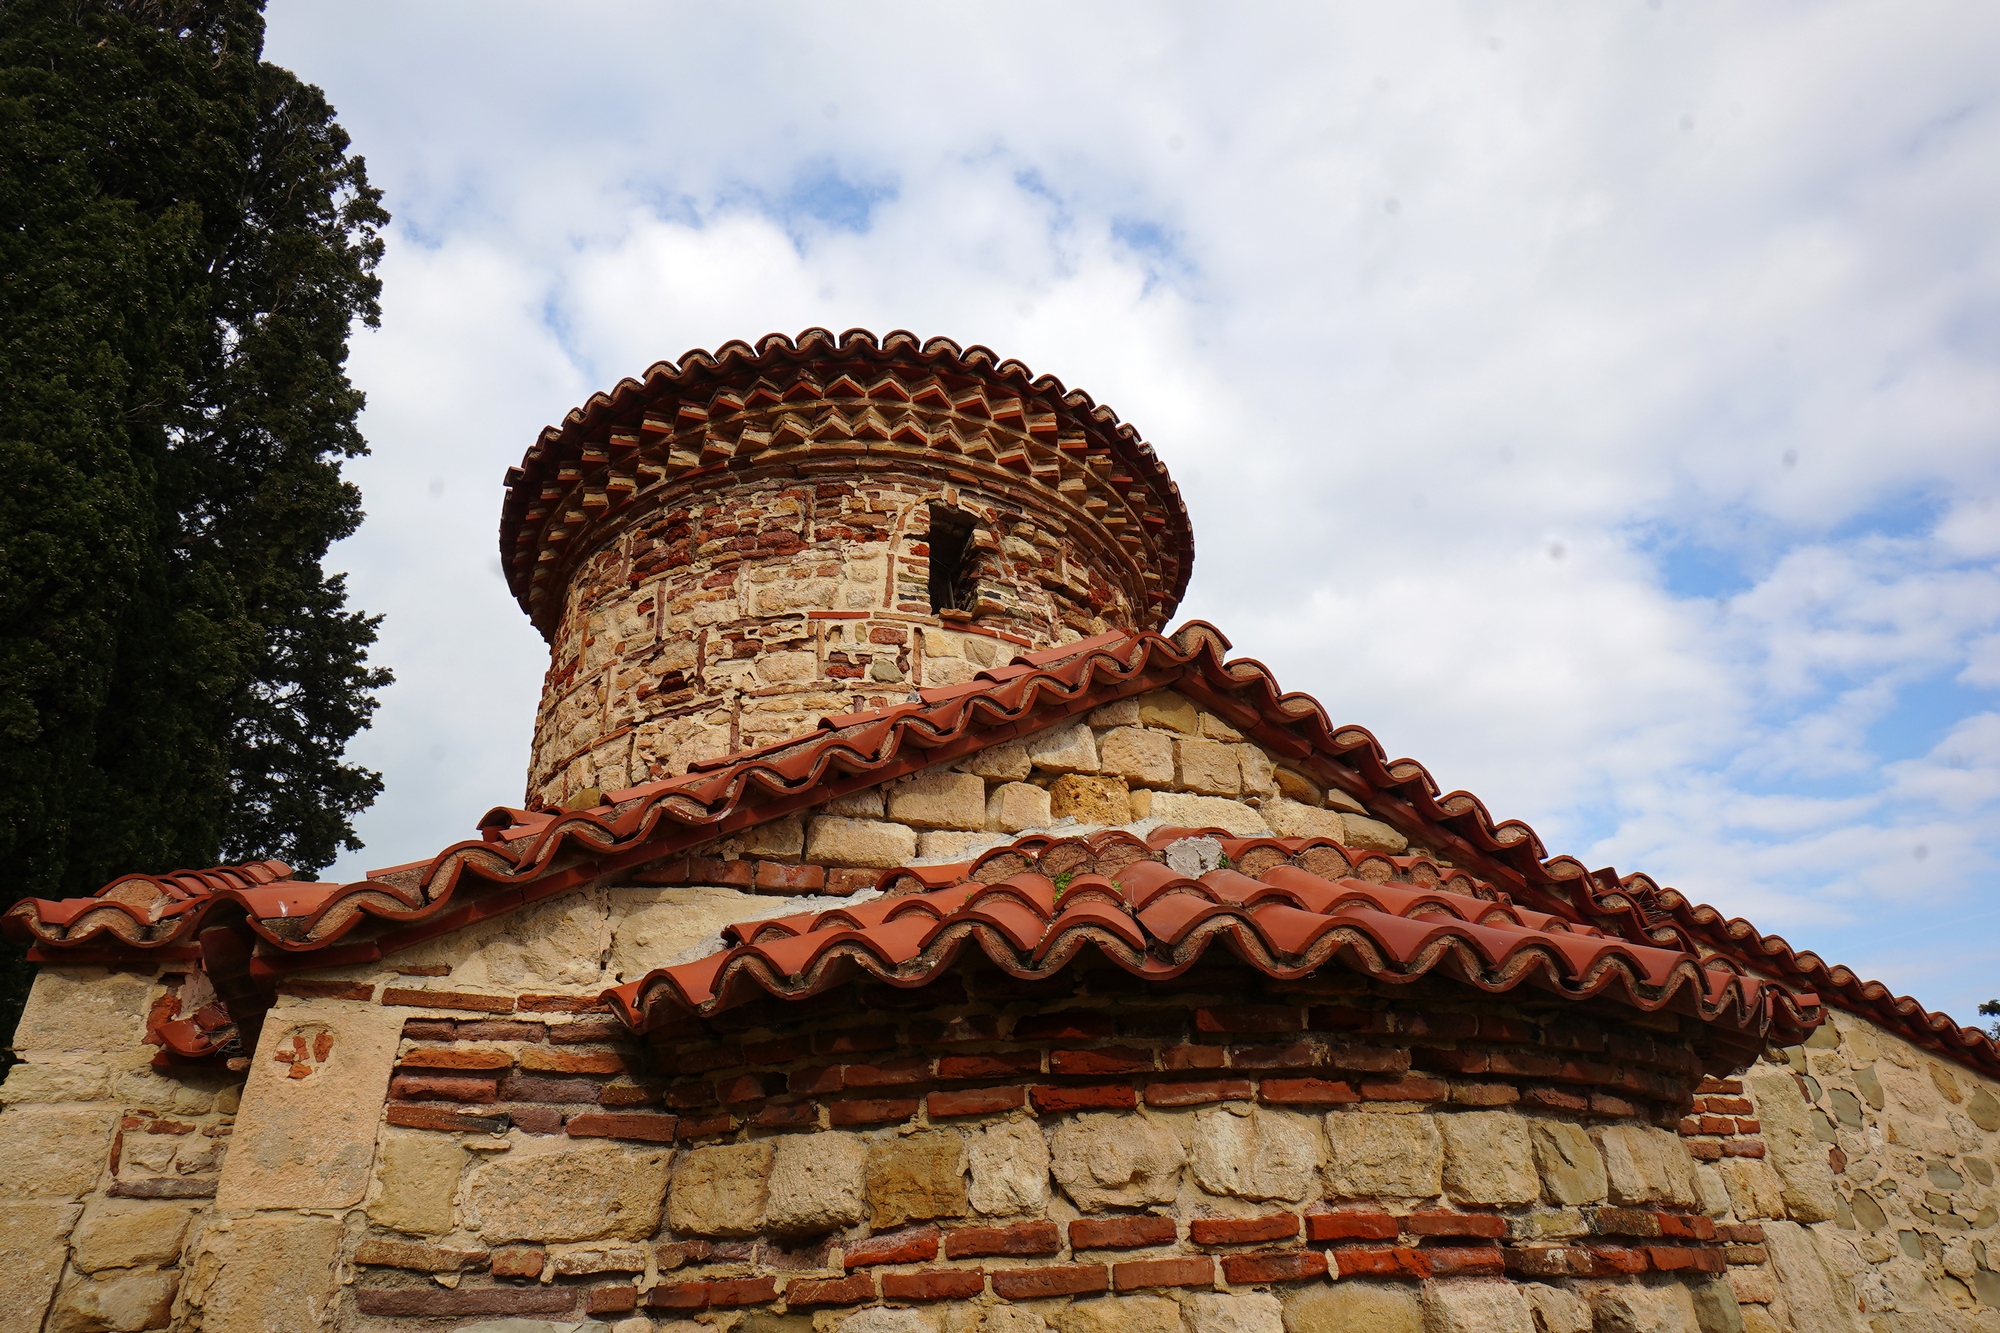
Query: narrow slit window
951, 562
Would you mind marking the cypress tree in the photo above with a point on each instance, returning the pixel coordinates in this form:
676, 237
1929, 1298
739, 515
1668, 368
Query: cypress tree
185, 243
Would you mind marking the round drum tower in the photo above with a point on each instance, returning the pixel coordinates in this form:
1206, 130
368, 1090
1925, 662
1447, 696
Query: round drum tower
741, 543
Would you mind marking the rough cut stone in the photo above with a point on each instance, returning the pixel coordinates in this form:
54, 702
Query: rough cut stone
1754, 1188
82, 1011
1631, 1308
881, 1319
835, 840
863, 804
1248, 1312
417, 1175
1715, 1307
1556, 1310
1120, 1314
1068, 748
264, 1272
1477, 1306
1818, 1296
939, 798
1141, 757
1247, 1153
1010, 1169
127, 1233
1188, 811
1015, 806
571, 1191
1397, 1156
1001, 763
1572, 1168
654, 927
1291, 819
29, 1084
917, 1178
1260, 775
819, 1182
122, 1302
28, 1232
1208, 767
1644, 1164
947, 846
780, 837
1372, 835
1488, 1158
1090, 800
1353, 1307
721, 1191
1164, 708
1792, 1148
54, 1154
1117, 1161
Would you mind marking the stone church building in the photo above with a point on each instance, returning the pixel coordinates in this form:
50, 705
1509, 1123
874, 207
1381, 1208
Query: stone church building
906, 931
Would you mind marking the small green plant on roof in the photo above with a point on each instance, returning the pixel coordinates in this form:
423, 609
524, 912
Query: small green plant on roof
1224, 863
1061, 882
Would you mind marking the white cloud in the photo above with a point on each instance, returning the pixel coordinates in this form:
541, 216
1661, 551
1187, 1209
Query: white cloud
1601, 407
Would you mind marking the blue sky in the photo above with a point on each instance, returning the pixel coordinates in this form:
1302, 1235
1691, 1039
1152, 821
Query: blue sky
1601, 403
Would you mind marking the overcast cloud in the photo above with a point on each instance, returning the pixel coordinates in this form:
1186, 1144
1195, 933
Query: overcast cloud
1599, 402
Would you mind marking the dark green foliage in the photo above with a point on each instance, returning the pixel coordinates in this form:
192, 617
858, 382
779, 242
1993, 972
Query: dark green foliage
184, 245
1990, 1008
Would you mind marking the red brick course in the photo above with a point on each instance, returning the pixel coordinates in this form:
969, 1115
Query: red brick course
1121, 1233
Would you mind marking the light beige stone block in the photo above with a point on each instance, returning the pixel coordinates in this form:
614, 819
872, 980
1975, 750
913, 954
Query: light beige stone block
1477, 1306
1296, 786
1372, 835
128, 1233
31, 1236
1247, 1153
271, 1271
1164, 708
1243, 1312
1208, 767
1120, 1314
1015, 806
819, 1182
1139, 756
1715, 1307
1645, 1164
654, 927
1190, 811
45, 1084
1089, 800
1571, 1166
1008, 762
1818, 1297
569, 1190
780, 837
84, 1011
117, 1302
1488, 1158
1631, 1308
1068, 748
944, 846
721, 1191
1557, 1310
1260, 775
310, 1142
917, 1178
416, 1178
1395, 1156
1353, 1306
1754, 1188
863, 804
55, 1153
836, 841
1123, 713
938, 798
1120, 1161
880, 1319
1794, 1150
1291, 819
1010, 1169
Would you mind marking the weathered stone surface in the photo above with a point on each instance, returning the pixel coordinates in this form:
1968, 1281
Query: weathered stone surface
1715, 1307
1260, 775
721, 1191
30, 1238
1817, 1295
1248, 1153
259, 1273
1143, 758
1001, 763
946, 846
1631, 1308
1164, 708
601, 1259
1556, 1310
416, 1176
780, 837
1116, 1161
1754, 1188
1014, 806
1398, 1156
83, 1011
1572, 1168
1120, 1314
655, 927
128, 1233
1246, 1312
917, 1178
1644, 1164
1291, 819
1208, 767
1353, 1307
1189, 811
570, 1190
54, 1153
310, 1142
121, 1302
819, 1182
882, 1319
1477, 1306
1090, 800
68, 1081
834, 840
939, 798
1488, 1158
1068, 748
1010, 1169
1792, 1148
1372, 835
863, 804
1007, 1319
